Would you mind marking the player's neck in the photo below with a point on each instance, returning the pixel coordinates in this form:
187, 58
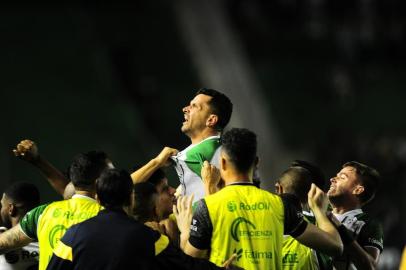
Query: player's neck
343, 204
86, 193
341, 209
206, 133
236, 177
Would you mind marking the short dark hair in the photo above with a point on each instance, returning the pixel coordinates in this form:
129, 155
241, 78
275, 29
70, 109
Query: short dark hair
24, 195
156, 177
220, 105
114, 188
369, 178
240, 144
144, 201
86, 168
296, 180
317, 175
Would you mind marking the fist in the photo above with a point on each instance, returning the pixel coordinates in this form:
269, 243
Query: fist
317, 199
164, 155
26, 150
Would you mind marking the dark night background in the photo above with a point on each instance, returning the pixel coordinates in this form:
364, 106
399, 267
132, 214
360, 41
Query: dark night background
317, 80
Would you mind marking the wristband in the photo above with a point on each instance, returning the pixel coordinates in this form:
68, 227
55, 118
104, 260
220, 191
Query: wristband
345, 235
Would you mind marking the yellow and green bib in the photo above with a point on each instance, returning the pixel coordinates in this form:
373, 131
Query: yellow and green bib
247, 221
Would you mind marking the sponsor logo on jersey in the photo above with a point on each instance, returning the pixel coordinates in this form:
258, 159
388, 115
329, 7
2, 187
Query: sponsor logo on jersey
375, 242
59, 212
257, 206
193, 226
55, 234
290, 258
15, 256
253, 256
231, 206
243, 228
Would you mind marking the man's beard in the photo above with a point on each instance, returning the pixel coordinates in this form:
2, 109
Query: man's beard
336, 199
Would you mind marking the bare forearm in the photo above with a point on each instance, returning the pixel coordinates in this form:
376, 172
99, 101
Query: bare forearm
55, 177
13, 239
145, 172
327, 226
184, 237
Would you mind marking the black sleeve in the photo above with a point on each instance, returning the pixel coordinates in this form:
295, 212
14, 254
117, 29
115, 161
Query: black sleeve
371, 235
201, 228
174, 258
294, 224
57, 263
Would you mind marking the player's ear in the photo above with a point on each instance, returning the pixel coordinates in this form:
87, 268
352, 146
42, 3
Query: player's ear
358, 190
223, 163
256, 162
212, 120
278, 188
97, 198
12, 210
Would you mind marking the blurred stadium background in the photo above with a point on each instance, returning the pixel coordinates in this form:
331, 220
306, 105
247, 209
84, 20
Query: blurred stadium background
317, 80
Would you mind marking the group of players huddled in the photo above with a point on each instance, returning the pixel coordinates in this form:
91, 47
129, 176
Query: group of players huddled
217, 218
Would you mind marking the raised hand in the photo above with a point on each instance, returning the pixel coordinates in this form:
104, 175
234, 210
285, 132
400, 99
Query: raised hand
229, 263
161, 160
211, 178
27, 150
171, 229
317, 199
163, 157
183, 213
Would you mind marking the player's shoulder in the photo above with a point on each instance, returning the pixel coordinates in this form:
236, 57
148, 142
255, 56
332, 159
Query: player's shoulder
207, 145
368, 219
372, 228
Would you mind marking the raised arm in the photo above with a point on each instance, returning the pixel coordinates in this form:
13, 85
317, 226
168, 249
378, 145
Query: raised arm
162, 160
27, 150
325, 237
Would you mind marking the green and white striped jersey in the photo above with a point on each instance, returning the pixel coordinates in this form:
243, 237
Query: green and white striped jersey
189, 162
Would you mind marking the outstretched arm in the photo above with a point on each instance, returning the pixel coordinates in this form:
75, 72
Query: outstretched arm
27, 150
13, 239
162, 160
325, 237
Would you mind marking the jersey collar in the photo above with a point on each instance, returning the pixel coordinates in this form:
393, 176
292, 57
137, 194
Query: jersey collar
83, 197
208, 138
354, 212
240, 184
